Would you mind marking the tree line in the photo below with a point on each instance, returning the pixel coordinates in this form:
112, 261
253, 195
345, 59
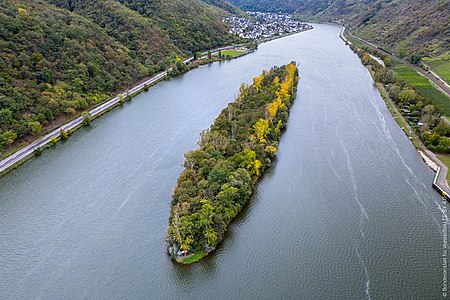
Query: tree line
59, 58
424, 117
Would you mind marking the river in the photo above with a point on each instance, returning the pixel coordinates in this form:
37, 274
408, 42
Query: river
346, 212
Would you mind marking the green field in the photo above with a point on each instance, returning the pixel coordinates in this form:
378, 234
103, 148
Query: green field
423, 86
440, 65
355, 42
232, 53
192, 258
446, 161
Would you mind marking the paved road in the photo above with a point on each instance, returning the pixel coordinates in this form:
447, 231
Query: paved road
440, 83
28, 150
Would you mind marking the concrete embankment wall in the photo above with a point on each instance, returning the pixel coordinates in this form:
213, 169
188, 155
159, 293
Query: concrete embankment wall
435, 164
438, 188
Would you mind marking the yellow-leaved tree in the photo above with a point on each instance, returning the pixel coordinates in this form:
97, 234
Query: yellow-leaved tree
261, 130
257, 82
276, 81
287, 83
187, 242
273, 107
243, 90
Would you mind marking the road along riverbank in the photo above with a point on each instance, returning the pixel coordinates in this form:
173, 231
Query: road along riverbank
436, 80
35, 148
429, 157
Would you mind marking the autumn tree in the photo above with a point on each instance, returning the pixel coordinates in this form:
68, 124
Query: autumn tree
257, 82
261, 130
63, 134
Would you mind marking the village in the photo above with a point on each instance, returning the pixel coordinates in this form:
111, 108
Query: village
265, 25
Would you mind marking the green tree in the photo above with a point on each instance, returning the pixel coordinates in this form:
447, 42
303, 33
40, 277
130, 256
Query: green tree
6, 117
121, 100
415, 59
271, 150
35, 127
241, 180
86, 118
408, 96
10, 136
442, 128
394, 90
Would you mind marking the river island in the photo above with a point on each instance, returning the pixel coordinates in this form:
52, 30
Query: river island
220, 176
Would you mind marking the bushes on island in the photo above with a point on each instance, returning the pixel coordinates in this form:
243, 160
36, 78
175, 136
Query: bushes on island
219, 177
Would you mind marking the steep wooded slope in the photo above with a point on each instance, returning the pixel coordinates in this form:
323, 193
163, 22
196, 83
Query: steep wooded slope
58, 57
406, 27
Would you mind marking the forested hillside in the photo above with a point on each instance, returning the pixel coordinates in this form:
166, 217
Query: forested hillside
225, 5
407, 27
287, 6
58, 57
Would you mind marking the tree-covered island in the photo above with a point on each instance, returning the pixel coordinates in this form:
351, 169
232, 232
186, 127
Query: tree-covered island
233, 154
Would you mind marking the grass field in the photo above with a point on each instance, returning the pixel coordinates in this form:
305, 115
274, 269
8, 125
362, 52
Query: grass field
232, 53
440, 65
445, 158
423, 86
192, 258
355, 42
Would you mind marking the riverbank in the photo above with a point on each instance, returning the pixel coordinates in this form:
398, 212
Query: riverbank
28, 151
265, 40
21, 155
436, 81
36, 147
430, 158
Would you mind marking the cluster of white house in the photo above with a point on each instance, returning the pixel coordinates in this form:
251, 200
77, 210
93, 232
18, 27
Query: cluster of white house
264, 25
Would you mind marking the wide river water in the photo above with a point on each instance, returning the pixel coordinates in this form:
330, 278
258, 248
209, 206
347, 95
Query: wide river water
346, 212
